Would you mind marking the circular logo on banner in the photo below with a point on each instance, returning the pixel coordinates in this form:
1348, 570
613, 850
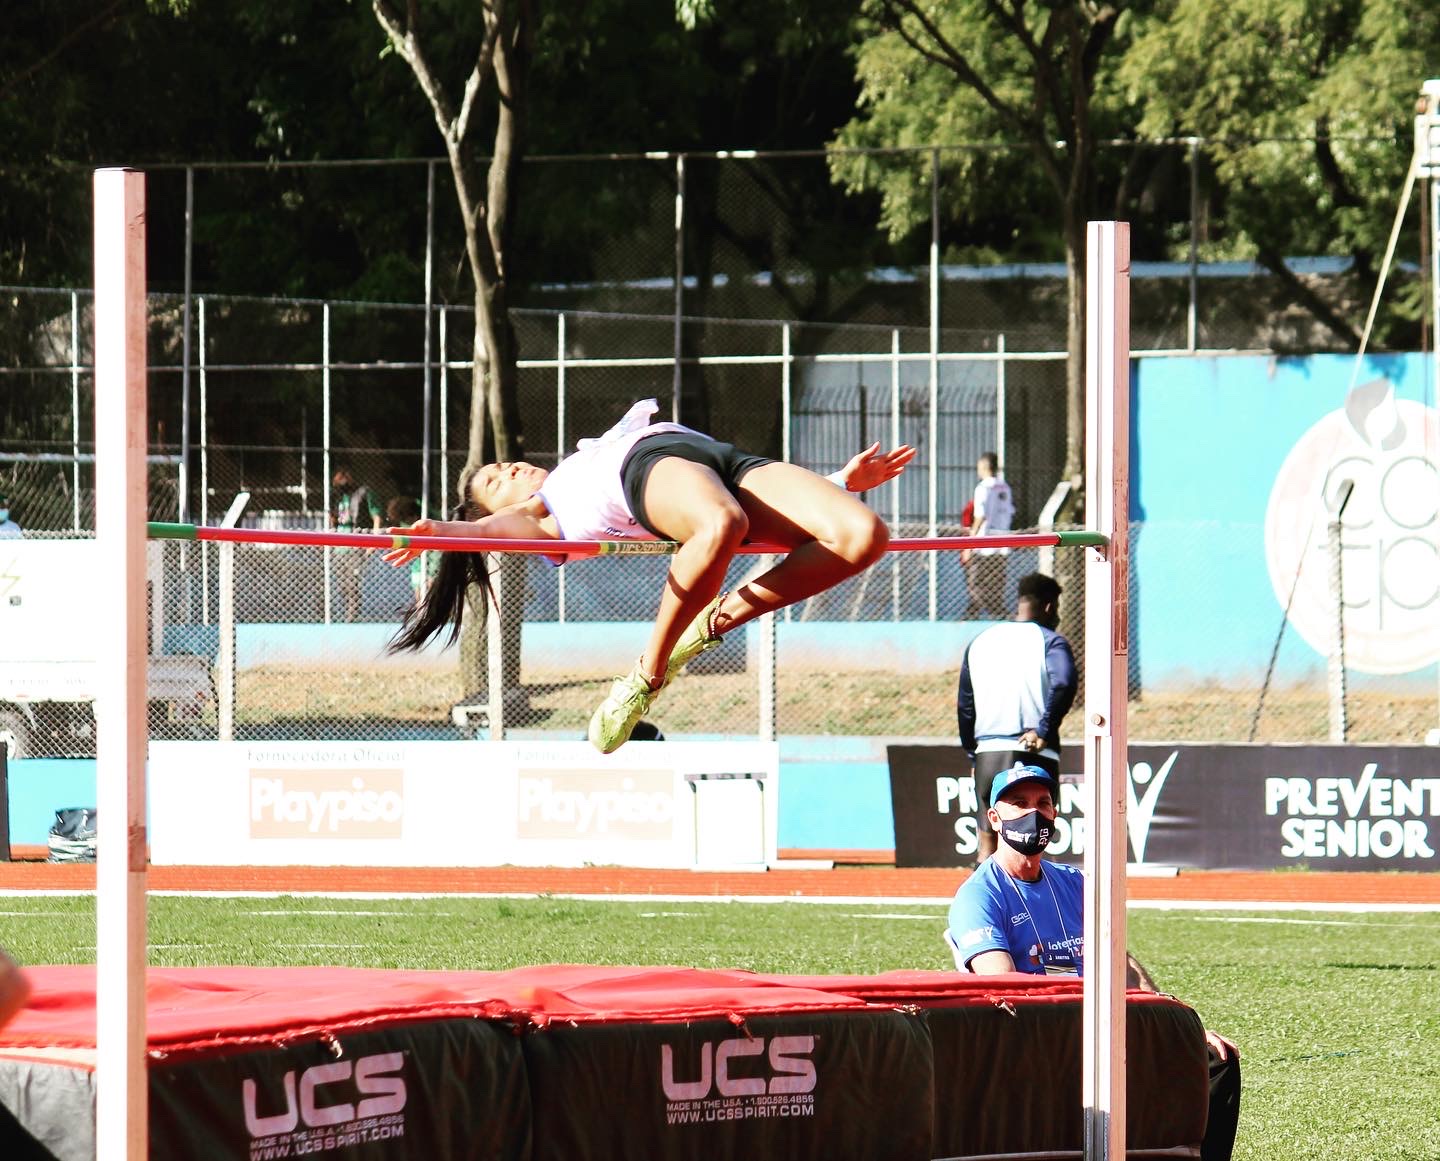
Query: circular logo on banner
1389, 450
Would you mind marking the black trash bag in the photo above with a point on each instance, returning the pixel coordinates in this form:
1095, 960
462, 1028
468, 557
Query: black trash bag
72, 838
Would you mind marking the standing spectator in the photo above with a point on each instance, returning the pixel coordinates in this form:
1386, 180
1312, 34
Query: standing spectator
354, 510
1017, 681
9, 530
993, 511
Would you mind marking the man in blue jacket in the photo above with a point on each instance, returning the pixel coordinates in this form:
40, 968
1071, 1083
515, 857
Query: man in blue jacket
1017, 682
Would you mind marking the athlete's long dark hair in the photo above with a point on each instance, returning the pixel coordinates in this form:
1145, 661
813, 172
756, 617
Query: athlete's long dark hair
445, 598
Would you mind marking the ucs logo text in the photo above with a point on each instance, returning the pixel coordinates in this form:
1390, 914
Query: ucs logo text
323, 1095
787, 1061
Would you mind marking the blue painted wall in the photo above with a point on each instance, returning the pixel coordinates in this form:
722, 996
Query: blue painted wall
1208, 438
41, 786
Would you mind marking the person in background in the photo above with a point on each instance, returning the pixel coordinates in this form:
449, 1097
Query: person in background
992, 511
404, 510
1020, 912
662, 481
9, 529
1017, 682
353, 509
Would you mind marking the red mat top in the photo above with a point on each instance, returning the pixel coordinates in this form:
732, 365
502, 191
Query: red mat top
207, 1009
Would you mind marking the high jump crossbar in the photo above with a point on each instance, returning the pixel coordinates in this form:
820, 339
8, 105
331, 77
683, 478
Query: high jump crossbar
158, 530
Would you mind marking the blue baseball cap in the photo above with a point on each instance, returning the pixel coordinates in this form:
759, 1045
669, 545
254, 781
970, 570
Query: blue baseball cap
1015, 776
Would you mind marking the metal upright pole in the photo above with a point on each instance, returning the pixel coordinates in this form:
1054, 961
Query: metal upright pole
326, 556
429, 308
1107, 629
75, 410
121, 1079
1192, 313
895, 483
676, 378
1339, 727
1426, 164
560, 442
184, 506
934, 430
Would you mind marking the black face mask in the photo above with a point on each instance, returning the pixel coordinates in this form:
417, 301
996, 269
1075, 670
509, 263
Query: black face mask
1029, 834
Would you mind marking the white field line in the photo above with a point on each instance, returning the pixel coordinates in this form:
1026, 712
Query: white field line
832, 900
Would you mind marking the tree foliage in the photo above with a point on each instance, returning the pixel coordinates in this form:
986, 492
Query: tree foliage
1307, 107
988, 73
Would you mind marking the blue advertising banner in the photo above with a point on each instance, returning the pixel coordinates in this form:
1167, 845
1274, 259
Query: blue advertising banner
1237, 464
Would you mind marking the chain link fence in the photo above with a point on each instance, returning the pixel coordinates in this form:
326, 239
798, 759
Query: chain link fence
773, 311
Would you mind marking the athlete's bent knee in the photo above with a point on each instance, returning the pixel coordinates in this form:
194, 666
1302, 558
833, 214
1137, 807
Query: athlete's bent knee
724, 529
863, 539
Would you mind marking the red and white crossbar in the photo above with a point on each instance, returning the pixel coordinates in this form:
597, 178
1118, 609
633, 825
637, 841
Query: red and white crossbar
386, 540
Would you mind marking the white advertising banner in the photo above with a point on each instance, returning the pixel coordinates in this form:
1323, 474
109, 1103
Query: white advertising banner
463, 804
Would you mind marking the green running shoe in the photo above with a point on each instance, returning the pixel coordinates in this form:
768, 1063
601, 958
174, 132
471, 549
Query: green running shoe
629, 701
696, 640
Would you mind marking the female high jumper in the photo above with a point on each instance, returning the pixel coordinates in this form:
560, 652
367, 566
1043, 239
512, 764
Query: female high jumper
663, 481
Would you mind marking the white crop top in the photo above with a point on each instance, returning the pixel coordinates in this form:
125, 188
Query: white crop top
584, 492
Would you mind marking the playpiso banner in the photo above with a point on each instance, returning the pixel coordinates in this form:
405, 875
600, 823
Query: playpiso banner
1221, 806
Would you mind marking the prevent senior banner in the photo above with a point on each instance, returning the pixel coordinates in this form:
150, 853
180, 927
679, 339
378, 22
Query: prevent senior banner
1218, 806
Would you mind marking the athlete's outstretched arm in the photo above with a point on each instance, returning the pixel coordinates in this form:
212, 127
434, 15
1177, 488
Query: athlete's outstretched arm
870, 468
510, 524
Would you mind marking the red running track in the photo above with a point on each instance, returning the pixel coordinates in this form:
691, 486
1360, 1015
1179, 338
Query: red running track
1292, 888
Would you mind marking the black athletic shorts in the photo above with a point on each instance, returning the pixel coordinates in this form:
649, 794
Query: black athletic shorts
725, 460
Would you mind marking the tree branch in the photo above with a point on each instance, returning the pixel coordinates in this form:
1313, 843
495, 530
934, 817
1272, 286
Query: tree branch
892, 15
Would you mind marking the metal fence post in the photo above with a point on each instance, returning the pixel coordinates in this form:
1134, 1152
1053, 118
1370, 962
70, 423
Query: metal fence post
895, 483
676, 378
444, 417
495, 652
934, 434
1335, 663
429, 307
75, 407
787, 406
560, 439
225, 658
327, 553
767, 667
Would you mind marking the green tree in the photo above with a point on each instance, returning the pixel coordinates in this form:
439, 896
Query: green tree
1307, 107
494, 89
981, 71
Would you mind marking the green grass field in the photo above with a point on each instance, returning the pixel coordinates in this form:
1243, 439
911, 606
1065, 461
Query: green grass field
1337, 1014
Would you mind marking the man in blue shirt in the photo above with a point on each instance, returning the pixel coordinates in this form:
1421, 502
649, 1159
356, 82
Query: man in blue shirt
1017, 682
1019, 912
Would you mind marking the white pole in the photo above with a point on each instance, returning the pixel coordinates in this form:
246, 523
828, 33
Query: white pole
429, 365
1435, 303
787, 431
326, 557
1435, 320
934, 477
121, 1126
75, 410
1000, 402
560, 441
225, 657
895, 483
495, 652
445, 501
204, 463
1107, 647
